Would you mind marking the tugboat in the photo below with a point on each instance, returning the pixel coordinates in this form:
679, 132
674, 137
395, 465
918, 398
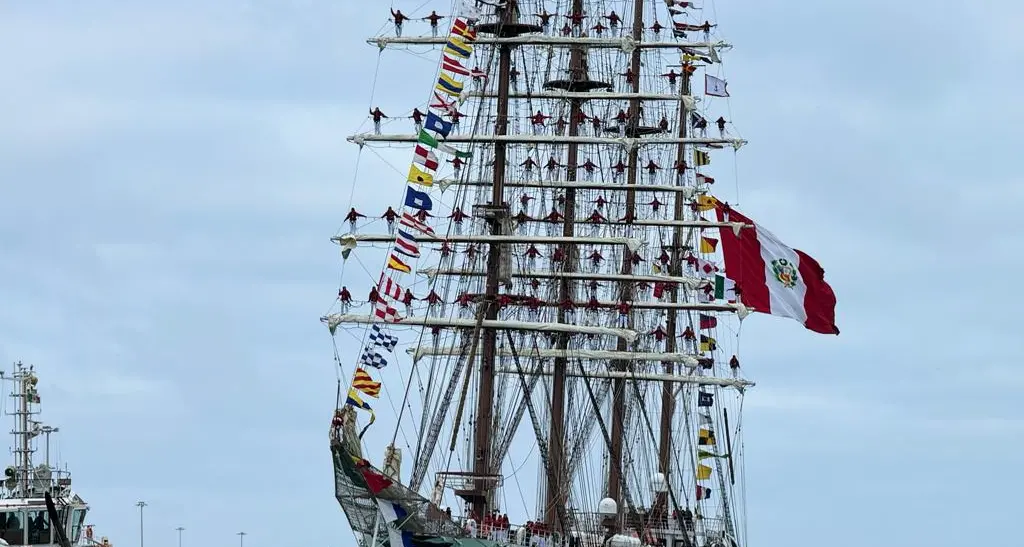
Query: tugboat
37, 505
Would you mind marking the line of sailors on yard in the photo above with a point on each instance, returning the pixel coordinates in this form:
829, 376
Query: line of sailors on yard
574, 20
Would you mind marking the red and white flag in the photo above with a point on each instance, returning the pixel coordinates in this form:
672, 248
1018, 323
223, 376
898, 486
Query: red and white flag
443, 105
453, 65
425, 157
411, 222
388, 287
773, 278
383, 310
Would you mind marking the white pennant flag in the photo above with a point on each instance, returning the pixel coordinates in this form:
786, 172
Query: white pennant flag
714, 86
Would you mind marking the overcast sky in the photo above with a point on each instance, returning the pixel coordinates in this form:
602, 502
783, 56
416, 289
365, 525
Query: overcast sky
170, 174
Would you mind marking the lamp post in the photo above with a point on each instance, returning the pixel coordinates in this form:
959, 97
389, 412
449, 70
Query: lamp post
241, 539
142, 537
180, 530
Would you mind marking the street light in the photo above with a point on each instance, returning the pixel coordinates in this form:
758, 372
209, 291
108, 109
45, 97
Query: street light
141, 505
180, 530
241, 539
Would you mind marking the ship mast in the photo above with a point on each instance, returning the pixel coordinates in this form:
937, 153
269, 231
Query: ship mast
558, 479
632, 129
668, 400
497, 216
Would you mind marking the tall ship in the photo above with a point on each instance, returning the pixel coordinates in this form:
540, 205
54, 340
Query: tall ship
547, 353
37, 503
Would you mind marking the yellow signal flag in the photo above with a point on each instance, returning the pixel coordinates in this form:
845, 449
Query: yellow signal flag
365, 383
708, 244
701, 158
419, 176
706, 203
708, 343
396, 264
705, 437
703, 472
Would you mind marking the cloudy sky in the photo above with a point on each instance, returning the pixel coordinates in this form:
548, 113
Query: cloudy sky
172, 171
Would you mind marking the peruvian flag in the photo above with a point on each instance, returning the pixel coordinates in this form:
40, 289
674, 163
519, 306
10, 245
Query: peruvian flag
773, 278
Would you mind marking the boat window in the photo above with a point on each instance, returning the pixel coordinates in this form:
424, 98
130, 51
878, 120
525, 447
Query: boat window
11, 529
38, 527
77, 518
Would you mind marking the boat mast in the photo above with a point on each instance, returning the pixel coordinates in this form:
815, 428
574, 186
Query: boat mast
632, 129
485, 388
558, 474
668, 401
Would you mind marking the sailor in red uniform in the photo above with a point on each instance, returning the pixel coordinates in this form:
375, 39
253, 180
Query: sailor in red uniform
538, 120
545, 18
457, 217
377, 117
557, 256
672, 77
575, 17
433, 18
352, 217
680, 166
417, 119
390, 215
618, 169
628, 74
652, 169
699, 123
589, 167
624, 314
432, 299
407, 299
551, 166
457, 164
346, 299
553, 216
613, 20
398, 17
659, 333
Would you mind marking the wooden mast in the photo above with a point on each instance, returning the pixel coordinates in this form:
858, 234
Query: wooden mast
557, 475
485, 388
668, 400
633, 126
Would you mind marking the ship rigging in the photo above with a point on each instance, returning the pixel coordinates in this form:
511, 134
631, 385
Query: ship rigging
574, 269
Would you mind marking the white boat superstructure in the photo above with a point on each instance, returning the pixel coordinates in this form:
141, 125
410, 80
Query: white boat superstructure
24, 519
